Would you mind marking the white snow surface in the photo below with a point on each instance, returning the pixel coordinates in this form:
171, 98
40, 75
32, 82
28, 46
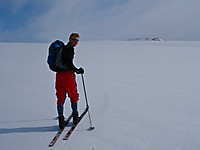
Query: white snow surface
142, 96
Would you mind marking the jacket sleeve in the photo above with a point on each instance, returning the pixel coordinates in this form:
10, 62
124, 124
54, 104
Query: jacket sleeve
68, 56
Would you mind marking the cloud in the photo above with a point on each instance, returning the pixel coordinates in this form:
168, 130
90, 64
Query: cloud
17, 16
106, 19
17, 5
79, 16
174, 21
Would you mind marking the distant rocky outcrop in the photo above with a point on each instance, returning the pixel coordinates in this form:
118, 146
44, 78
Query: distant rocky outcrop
146, 39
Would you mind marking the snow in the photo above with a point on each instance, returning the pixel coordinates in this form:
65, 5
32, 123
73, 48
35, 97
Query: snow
142, 96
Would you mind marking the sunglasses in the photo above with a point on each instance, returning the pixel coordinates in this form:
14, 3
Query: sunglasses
75, 40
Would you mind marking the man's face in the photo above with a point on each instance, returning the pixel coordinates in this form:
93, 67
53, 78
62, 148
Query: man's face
74, 41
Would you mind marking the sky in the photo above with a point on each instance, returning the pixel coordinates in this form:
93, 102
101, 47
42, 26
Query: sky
47, 20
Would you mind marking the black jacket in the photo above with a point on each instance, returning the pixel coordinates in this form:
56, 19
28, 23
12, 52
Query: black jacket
68, 56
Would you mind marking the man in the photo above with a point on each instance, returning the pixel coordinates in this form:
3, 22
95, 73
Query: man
65, 81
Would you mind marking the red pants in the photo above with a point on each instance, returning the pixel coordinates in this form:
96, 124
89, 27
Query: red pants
65, 83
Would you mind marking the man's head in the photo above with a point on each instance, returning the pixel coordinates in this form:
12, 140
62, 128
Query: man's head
74, 39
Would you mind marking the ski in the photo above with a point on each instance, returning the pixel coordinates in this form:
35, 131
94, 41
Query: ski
75, 125
52, 143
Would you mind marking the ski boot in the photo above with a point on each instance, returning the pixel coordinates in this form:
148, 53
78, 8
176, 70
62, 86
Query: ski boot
61, 122
76, 119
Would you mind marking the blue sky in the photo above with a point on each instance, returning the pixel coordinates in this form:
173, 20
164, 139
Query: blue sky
47, 20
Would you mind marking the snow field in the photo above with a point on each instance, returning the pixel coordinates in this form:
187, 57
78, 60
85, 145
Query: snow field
142, 95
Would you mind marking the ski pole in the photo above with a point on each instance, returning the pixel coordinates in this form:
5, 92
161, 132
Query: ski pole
91, 127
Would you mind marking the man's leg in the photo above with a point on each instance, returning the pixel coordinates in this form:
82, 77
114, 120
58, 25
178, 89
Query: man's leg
74, 97
61, 95
74, 108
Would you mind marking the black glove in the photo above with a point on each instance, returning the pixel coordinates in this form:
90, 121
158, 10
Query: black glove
80, 71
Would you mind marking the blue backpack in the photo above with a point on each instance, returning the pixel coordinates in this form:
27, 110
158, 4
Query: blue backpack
54, 58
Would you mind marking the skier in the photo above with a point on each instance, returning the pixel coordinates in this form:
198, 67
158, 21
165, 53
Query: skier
65, 81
